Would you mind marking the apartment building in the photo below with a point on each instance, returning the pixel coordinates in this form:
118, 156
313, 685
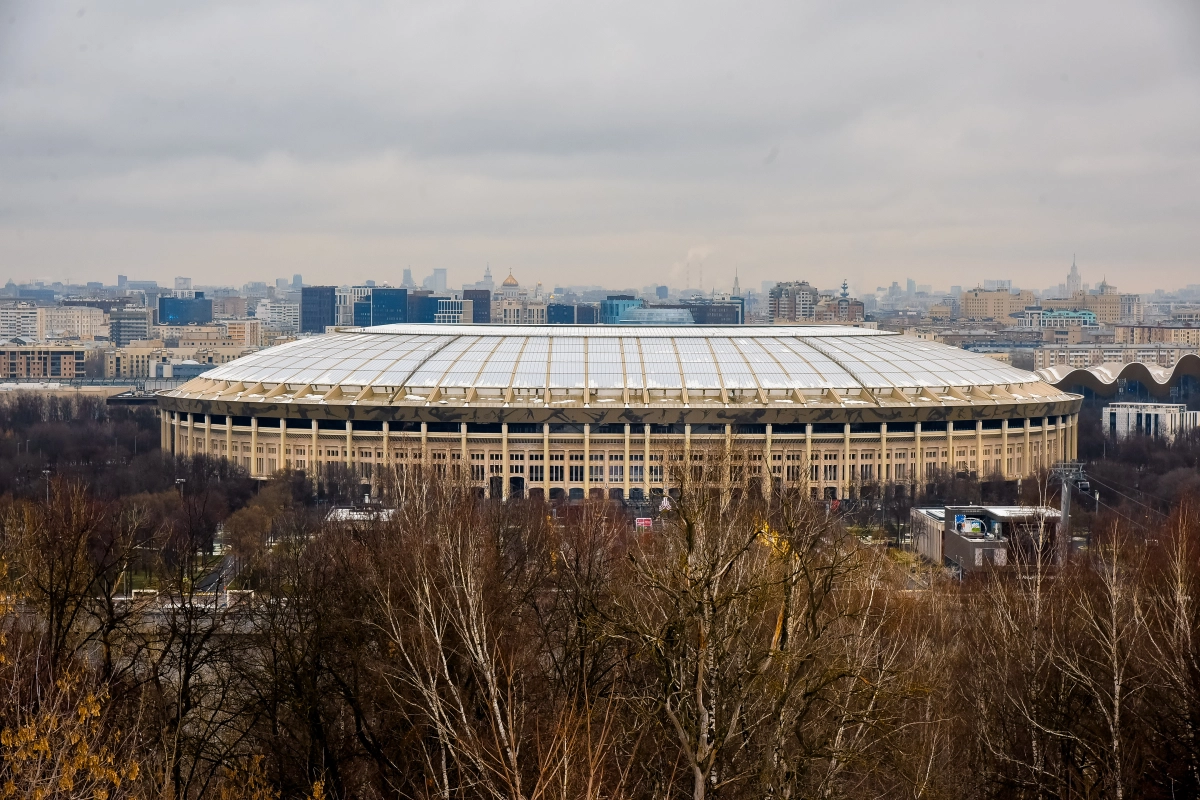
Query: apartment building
1185, 335
74, 322
980, 304
41, 361
24, 320
791, 301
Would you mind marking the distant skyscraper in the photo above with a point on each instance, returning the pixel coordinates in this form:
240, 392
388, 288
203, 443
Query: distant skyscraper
661, 292
281, 284
1074, 280
436, 282
297, 282
408, 282
910, 287
121, 281
183, 284
318, 308
737, 287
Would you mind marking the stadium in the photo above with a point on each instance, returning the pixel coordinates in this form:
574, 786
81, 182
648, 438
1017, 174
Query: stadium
575, 411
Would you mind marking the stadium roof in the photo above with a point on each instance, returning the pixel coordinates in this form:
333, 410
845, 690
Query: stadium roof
402, 364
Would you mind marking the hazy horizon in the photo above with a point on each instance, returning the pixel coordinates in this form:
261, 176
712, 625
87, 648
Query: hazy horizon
611, 145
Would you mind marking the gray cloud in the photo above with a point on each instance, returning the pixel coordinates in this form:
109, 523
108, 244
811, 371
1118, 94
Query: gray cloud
601, 143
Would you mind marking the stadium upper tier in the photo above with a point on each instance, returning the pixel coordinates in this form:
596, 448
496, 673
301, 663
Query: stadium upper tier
561, 368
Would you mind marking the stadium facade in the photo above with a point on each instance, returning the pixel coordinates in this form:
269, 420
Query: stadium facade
574, 409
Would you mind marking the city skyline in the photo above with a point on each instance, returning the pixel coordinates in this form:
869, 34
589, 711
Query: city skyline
875, 144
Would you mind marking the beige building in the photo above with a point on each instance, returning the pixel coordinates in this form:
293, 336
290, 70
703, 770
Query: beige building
1000, 305
248, 332
41, 361
138, 359
1147, 334
1108, 305
74, 322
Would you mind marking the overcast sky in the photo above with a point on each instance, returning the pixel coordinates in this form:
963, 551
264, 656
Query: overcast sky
606, 143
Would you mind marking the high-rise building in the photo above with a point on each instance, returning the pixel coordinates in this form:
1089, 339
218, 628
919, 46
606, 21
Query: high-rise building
183, 284
1074, 279
297, 282
481, 309
318, 308
791, 301
661, 292
278, 315
436, 282
127, 325
185, 310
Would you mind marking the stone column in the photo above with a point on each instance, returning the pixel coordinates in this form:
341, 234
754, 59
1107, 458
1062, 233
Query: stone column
314, 459
462, 450
253, 447
844, 494
687, 453
1045, 456
1004, 448
229, 438
503, 458
208, 435
191, 435
919, 471
349, 445
884, 475
727, 468
808, 456
979, 448
1026, 455
284, 457
646, 467
950, 446
425, 446
587, 461
177, 435
768, 480
545, 460
625, 486
164, 436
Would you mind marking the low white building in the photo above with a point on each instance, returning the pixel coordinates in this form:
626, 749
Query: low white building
1165, 420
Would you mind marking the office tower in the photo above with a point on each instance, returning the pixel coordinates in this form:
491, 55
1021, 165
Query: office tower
481, 313
661, 292
122, 280
318, 308
184, 310
297, 282
436, 282
910, 287
127, 325
408, 282
281, 284
389, 306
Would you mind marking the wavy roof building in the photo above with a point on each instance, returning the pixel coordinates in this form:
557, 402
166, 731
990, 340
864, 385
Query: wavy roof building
1104, 379
828, 407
